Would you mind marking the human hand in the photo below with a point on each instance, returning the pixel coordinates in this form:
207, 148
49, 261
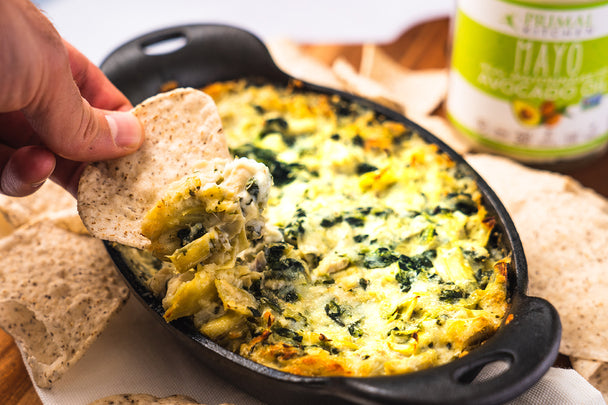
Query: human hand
57, 109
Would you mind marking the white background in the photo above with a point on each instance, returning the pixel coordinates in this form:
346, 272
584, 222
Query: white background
98, 27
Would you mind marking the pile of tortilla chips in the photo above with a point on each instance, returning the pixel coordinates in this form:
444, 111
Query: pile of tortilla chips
563, 226
58, 287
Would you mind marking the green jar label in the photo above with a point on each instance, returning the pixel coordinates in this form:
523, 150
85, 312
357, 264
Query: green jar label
530, 81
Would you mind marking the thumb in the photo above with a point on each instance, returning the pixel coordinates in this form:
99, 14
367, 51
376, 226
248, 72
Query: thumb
69, 126
72, 129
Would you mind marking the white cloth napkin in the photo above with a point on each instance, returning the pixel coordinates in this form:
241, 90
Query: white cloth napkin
136, 354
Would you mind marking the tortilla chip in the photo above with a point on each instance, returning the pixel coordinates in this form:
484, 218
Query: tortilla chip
144, 399
6, 228
420, 92
58, 301
68, 220
182, 127
292, 60
564, 230
387, 95
599, 380
585, 367
364, 87
17, 211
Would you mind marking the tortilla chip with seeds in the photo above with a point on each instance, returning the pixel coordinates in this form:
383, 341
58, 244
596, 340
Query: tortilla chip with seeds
564, 231
585, 367
182, 127
599, 380
58, 301
17, 211
419, 92
363, 86
292, 60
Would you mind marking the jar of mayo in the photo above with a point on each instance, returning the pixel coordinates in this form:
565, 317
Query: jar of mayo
529, 78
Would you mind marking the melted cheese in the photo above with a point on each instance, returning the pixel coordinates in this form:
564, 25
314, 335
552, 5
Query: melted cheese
378, 257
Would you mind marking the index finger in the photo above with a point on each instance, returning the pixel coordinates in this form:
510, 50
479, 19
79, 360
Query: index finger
94, 86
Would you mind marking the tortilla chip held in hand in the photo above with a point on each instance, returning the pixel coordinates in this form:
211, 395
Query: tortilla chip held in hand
182, 127
181, 192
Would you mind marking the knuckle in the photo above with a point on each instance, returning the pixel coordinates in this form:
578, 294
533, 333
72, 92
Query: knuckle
86, 132
76, 139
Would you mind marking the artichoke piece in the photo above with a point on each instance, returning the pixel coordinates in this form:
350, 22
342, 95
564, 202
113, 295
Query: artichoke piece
203, 218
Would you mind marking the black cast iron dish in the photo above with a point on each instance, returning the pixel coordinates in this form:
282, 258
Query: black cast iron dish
528, 343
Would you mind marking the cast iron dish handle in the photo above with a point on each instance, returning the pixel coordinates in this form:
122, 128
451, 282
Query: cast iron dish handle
451, 384
144, 65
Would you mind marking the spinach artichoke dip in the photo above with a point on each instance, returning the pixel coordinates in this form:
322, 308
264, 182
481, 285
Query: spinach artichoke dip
373, 255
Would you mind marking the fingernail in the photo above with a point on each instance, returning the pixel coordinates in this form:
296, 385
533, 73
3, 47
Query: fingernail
125, 129
38, 184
